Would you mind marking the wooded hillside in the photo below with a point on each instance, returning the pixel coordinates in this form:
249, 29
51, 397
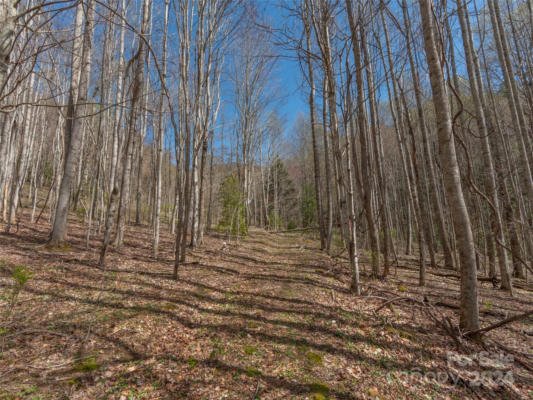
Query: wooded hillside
272, 170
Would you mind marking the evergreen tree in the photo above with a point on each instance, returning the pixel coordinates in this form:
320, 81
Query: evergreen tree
233, 219
308, 206
282, 206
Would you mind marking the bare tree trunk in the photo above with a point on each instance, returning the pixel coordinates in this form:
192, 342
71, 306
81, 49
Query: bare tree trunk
137, 90
355, 285
8, 15
25, 147
316, 160
140, 155
160, 138
376, 146
115, 153
329, 201
366, 167
185, 34
199, 232
36, 180
477, 92
108, 226
513, 96
344, 181
210, 199
80, 73
435, 202
416, 192
469, 312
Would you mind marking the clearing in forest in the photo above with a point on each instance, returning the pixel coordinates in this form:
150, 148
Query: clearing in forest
268, 317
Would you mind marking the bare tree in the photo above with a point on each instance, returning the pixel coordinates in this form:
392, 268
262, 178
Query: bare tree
79, 87
465, 241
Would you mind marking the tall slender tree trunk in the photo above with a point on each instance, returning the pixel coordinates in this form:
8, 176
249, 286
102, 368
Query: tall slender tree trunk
366, 168
329, 202
477, 93
469, 311
115, 146
344, 179
376, 146
435, 201
513, 97
160, 137
81, 68
416, 192
136, 93
316, 160
8, 15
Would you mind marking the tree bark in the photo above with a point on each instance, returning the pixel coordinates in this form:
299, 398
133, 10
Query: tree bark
469, 312
81, 68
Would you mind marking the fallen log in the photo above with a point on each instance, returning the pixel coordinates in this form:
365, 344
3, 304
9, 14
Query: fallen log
506, 321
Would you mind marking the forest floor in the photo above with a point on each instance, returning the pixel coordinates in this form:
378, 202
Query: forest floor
269, 317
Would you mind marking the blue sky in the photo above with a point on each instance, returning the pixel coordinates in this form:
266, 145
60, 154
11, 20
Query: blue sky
288, 71
290, 101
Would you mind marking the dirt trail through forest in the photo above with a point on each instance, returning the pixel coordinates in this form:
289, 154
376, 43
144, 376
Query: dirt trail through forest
268, 317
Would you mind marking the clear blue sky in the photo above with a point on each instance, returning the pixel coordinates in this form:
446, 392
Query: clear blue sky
288, 71
286, 76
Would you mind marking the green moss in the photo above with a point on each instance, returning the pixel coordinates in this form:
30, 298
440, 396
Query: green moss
87, 365
150, 307
249, 350
192, 362
218, 350
302, 349
169, 306
315, 358
319, 390
252, 372
59, 249
287, 291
